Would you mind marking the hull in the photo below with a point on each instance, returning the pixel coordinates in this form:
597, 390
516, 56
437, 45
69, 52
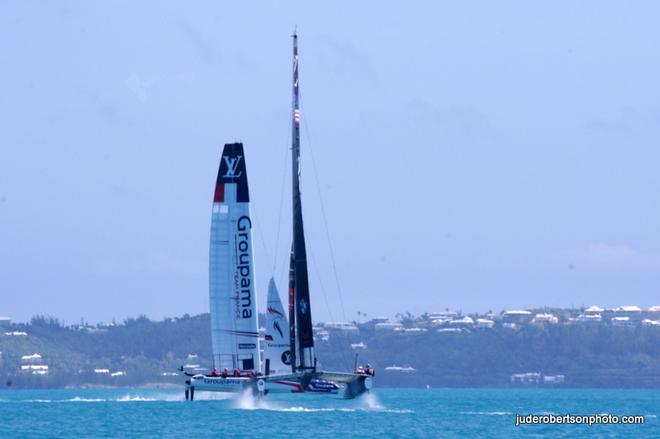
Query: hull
283, 386
322, 386
204, 383
351, 385
219, 384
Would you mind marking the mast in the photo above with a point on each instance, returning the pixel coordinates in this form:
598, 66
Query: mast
300, 311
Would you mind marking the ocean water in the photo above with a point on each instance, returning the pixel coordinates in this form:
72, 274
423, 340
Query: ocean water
383, 413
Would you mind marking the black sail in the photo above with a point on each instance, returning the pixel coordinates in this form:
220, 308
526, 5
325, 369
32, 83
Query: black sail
298, 280
292, 311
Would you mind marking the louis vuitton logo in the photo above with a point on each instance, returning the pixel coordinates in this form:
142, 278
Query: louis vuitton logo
232, 166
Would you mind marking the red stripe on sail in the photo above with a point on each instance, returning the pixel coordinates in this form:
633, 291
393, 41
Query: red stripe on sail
219, 196
274, 312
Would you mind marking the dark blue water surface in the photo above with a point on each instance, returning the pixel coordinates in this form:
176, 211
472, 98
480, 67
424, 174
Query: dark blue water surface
383, 413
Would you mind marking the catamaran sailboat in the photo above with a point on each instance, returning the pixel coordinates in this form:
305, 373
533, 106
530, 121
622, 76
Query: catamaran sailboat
292, 366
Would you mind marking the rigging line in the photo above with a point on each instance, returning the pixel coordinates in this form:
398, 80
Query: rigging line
261, 233
347, 360
279, 215
284, 274
325, 221
318, 276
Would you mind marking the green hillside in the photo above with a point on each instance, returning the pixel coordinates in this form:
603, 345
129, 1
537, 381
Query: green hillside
588, 356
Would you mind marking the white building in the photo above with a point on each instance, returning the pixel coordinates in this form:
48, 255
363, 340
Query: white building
407, 369
553, 379
545, 318
378, 320
341, 326
622, 321
484, 323
441, 322
35, 369
321, 334
593, 309
517, 316
31, 359
388, 326
526, 378
444, 315
631, 311
465, 322
450, 330
413, 331
589, 318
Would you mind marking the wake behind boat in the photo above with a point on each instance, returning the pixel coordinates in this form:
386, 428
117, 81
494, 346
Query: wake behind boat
289, 365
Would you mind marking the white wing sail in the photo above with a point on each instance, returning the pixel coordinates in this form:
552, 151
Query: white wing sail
277, 349
234, 331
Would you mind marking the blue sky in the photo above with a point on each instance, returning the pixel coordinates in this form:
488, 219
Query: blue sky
471, 155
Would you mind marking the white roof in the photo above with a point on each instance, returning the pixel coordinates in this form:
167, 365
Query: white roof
34, 356
34, 367
388, 325
400, 369
655, 308
589, 317
621, 319
344, 326
629, 308
518, 312
443, 313
594, 308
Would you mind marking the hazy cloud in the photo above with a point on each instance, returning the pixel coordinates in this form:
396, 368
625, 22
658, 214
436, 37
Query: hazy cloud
608, 255
153, 262
139, 86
